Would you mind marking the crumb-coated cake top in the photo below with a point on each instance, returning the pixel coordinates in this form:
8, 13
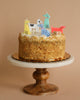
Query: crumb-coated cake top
52, 37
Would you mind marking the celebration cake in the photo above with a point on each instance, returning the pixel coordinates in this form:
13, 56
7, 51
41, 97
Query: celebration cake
40, 42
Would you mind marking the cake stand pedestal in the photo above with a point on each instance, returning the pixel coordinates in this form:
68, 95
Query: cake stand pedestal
41, 87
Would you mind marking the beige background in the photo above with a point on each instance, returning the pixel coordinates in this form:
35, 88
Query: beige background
12, 78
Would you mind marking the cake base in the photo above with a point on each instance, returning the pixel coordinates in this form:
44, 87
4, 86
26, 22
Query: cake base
15, 56
35, 89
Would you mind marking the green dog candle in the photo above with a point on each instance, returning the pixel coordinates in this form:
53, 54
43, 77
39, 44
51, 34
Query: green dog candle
46, 21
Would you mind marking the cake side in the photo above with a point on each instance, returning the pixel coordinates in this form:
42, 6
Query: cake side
41, 48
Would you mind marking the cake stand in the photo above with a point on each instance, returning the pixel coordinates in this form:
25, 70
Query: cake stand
41, 87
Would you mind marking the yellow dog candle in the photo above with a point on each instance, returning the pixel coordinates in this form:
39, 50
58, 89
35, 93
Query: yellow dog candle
26, 27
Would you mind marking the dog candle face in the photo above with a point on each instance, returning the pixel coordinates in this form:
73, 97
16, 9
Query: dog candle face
34, 27
38, 21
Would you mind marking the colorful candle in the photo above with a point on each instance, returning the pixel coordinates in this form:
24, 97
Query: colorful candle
54, 29
26, 27
44, 31
46, 21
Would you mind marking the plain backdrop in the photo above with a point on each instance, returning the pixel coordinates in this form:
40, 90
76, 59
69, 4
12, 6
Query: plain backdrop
12, 78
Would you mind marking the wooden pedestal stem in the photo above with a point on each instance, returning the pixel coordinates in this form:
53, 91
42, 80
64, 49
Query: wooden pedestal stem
41, 87
41, 75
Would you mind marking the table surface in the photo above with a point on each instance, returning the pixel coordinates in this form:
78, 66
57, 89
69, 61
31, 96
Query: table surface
40, 65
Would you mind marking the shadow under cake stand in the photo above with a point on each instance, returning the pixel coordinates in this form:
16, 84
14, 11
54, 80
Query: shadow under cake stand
41, 87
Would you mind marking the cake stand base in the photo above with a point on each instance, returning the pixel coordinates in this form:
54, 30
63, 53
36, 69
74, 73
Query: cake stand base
41, 87
35, 89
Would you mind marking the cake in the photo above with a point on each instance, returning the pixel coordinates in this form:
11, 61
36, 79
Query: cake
41, 43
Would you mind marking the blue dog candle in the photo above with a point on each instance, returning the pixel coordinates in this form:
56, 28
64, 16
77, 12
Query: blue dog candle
44, 31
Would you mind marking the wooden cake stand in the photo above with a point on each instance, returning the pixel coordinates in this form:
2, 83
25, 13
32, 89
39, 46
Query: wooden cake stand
41, 87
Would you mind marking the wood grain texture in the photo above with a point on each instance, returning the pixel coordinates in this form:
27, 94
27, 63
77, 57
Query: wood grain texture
41, 87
